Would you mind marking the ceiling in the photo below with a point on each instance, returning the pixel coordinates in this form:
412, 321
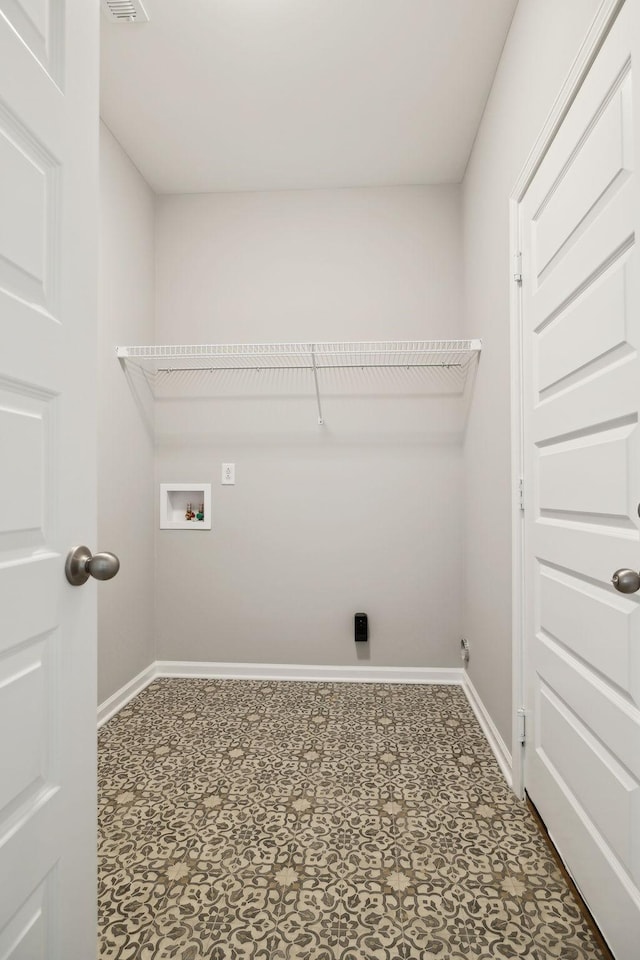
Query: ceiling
218, 95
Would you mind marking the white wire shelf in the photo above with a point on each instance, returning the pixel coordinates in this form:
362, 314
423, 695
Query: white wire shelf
271, 356
161, 361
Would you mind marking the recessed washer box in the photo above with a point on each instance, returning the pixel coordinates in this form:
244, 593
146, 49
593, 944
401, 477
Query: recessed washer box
175, 499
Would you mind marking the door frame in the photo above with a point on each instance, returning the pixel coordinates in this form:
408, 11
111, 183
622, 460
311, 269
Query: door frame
601, 24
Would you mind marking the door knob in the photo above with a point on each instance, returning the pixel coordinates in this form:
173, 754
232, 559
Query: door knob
626, 581
81, 565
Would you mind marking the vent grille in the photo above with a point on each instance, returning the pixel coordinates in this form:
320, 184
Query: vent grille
125, 11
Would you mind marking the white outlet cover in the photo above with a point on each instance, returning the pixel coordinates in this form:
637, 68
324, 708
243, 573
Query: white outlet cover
228, 473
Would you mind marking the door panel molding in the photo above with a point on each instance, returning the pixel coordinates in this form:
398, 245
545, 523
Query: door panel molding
48, 281
574, 227
602, 22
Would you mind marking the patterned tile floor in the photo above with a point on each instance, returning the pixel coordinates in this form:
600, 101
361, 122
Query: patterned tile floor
308, 821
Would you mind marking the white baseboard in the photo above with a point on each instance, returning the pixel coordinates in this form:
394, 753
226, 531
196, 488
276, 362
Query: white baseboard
121, 697
497, 744
288, 671
271, 671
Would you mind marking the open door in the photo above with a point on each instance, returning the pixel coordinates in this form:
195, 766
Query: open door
49, 58
580, 222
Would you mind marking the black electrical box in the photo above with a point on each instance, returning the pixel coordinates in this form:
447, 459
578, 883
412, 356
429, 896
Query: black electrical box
361, 627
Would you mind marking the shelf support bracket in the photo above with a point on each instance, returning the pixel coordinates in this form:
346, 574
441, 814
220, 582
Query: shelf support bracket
315, 377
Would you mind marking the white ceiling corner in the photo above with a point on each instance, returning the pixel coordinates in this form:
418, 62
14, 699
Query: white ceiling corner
221, 95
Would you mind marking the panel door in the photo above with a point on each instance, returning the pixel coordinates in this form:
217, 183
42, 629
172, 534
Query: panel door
48, 266
581, 316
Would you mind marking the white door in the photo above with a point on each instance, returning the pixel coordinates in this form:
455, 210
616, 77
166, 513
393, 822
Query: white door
580, 221
48, 266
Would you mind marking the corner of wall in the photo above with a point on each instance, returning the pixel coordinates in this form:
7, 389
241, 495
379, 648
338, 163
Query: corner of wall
126, 641
520, 100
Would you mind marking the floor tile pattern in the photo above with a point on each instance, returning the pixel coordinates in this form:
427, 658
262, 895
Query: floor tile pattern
260, 820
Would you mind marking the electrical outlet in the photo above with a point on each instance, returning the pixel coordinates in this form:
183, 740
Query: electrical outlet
228, 473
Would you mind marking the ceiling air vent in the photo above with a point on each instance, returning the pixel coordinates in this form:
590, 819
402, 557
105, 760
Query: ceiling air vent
125, 11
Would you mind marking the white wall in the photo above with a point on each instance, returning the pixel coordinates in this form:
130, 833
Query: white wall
365, 513
125, 422
362, 514
544, 38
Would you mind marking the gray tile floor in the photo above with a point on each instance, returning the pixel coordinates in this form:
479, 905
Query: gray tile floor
311, 821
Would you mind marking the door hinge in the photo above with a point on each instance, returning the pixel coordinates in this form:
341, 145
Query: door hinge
517, 268
522, 725
521, 492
